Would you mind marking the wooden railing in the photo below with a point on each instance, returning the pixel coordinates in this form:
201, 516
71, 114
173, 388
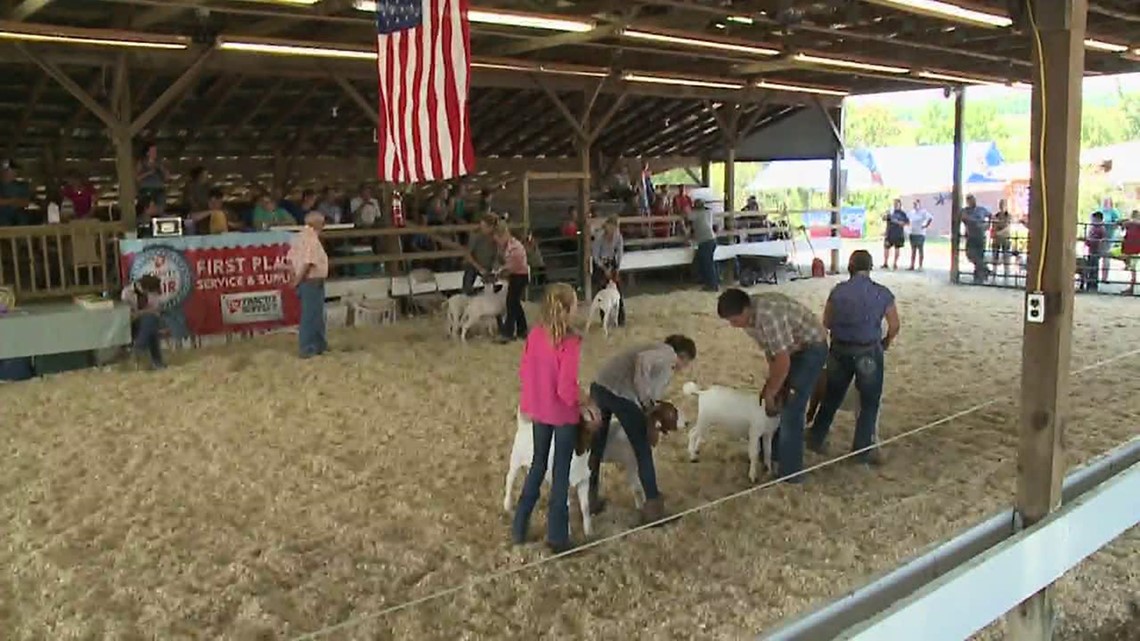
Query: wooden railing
60, 260
639, 231
386, 246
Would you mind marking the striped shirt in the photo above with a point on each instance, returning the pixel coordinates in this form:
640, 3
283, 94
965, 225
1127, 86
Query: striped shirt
306, 249
514, 258
781, 323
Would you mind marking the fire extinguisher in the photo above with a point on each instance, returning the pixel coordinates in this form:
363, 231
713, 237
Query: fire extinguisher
398, 211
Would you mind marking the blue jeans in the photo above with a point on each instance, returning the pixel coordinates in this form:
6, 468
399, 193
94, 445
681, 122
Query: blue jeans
633, 421
865, 365
807, 364
706, 265
147, 340
558, 511
514, 322
469, 276
311, 332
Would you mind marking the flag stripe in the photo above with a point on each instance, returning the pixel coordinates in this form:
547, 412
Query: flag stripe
424, 77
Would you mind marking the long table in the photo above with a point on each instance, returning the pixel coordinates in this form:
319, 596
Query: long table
60, 328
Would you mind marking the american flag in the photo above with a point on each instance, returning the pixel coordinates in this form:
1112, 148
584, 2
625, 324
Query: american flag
424, 49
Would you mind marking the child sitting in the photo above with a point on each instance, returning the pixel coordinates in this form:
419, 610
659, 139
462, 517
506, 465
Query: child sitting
142, 295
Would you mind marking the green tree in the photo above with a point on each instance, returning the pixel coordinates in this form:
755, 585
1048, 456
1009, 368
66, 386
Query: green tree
1130, 108
871, 126
1102, 126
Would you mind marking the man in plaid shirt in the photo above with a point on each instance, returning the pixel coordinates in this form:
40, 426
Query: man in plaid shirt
795, 343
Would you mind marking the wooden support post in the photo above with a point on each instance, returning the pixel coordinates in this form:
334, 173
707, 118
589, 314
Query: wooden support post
1059, 56
124, 143
584, 220
706, 172
730, 178
956, 190
728, 123
125, 170
835, 198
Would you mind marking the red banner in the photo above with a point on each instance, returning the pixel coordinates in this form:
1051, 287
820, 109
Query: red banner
217, 284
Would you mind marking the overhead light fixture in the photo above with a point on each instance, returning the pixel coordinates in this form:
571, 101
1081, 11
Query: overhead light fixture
688, 41
940, 9
684, 82
1100, 45
741, 19
76, 37
518, 65
508, 19
529, 20
780, 86
934, 75
297, 50
847, 64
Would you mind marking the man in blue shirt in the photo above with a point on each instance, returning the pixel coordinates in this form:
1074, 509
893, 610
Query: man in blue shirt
897, 221
977, 221
854, 317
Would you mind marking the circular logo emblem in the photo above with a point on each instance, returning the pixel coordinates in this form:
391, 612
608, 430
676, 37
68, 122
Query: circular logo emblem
170, 266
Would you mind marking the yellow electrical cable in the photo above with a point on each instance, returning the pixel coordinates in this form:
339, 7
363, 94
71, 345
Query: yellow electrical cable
1041, 150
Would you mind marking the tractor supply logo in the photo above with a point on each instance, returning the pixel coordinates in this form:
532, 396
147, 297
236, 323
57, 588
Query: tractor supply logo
170, 266
252, 307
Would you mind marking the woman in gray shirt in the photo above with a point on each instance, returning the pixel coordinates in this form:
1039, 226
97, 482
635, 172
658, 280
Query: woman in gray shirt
627, 386
606, 252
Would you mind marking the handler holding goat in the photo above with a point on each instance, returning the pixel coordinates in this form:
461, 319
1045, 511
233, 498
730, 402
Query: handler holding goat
606, 253
628, 386
795, 342
854, 313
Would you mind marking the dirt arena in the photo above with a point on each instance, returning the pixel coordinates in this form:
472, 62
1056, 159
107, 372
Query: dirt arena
243, 494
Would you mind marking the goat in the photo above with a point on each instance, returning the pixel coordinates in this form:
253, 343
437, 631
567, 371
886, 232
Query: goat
607, 302
738, 411
455, 307
663, 419
487, 305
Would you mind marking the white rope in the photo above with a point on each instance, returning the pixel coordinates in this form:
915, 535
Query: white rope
494, 576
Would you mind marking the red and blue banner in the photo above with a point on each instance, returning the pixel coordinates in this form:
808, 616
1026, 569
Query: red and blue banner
852, 222
217, 284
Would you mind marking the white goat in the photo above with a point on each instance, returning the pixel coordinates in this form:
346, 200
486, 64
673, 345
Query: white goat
482, 307
618, 450
739, 412
607, 301
456, 305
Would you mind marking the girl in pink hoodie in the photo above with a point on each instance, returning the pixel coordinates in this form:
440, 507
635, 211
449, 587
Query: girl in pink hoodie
549, 395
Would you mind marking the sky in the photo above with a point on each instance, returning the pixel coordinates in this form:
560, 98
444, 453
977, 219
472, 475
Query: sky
1092, 84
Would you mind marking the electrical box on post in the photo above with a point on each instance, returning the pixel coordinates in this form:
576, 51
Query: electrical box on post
1035, 307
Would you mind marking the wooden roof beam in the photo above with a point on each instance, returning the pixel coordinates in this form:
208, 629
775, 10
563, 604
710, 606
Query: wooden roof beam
25, 9
288, 114
266, 99
503, 126
34, 97
370, 109
549, 42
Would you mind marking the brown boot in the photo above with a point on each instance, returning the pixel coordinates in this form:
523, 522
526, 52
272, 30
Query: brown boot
654, 511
